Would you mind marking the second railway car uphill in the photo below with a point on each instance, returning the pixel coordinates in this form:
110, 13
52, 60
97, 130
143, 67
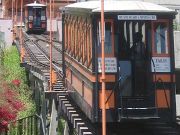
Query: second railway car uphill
35, 18
139, 59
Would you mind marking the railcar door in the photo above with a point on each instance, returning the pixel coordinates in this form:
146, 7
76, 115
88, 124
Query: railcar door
36, 17
133, 56
133, 40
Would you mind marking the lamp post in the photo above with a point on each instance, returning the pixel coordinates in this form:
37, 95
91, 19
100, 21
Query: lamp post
103, 72
21, 40
16, 11
50, 34
12, 21
12, 10
53, 9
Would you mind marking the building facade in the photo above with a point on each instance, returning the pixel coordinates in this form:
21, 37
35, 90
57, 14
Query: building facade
172, 4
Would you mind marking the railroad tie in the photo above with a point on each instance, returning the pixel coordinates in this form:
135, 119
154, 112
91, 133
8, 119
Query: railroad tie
75, 121
67, 105
60, 89
62, 92
64, 101
61, 103
83, 129
69, 110
60, 83
87, 133
70, 113
57, 86
78, 125
73, 116
61, 97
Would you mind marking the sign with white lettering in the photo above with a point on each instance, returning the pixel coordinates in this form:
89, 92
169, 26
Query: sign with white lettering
137, 17
110, 65
160, 64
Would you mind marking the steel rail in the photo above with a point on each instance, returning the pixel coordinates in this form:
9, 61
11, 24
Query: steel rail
33, 57
45, 54
46, 40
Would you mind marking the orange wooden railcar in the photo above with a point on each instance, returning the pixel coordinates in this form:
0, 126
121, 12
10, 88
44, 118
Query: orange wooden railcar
140, 83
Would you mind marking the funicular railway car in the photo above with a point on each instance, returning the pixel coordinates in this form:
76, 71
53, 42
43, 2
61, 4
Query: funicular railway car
139, 58
35, 17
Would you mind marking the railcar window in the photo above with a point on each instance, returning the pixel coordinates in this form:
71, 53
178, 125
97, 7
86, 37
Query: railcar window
30, 12
126, 31
37, 12
108, 38
43, 12
160, 38
132, 27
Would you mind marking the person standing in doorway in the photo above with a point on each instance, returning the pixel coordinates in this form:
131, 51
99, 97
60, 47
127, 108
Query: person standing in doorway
138, 56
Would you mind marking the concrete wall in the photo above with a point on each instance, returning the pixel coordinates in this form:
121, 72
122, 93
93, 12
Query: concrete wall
54, 25
178, 105
177, 48
177, 60
6, 28
60, 30
56, 28
172, 4
1, 12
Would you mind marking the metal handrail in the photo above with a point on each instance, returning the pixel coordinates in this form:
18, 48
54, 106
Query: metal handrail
27, 125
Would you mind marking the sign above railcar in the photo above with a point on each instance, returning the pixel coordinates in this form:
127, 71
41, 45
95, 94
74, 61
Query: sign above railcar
137, 17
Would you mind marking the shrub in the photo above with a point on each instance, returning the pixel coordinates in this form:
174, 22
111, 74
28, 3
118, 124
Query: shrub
10, 105
15, 101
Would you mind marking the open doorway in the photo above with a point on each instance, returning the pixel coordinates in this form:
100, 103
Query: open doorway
133, 41
37, 17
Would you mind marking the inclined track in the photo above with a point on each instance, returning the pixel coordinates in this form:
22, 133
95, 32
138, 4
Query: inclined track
37, 54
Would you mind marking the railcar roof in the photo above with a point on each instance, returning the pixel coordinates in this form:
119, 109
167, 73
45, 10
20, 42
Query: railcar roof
119, 6
35, 5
